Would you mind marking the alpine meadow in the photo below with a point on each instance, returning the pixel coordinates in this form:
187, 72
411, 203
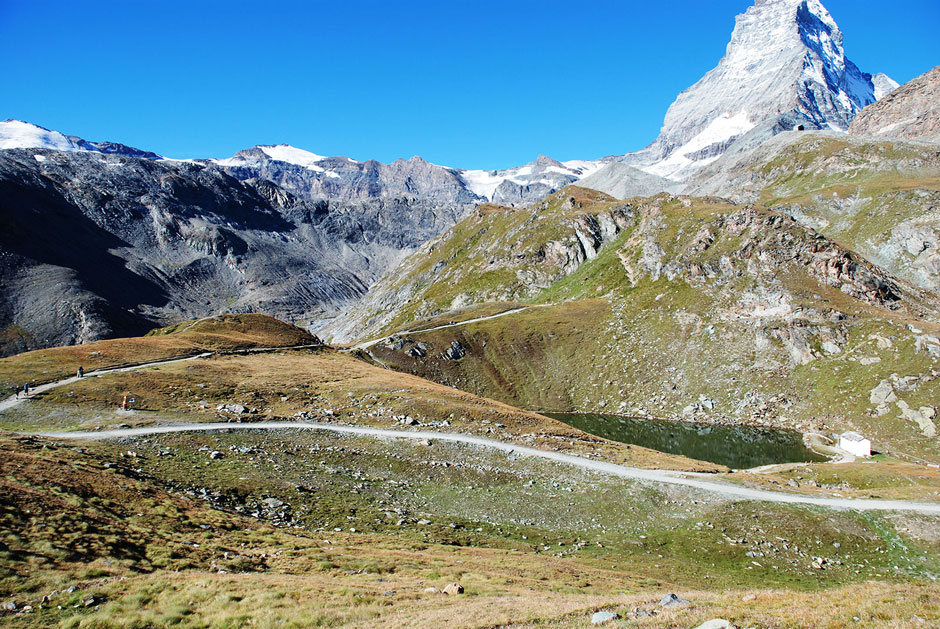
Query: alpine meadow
694, 386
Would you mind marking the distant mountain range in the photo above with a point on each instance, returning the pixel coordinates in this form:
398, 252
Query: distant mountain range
140, 239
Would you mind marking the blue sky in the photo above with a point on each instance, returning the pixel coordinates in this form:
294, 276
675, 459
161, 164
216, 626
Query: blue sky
471, 84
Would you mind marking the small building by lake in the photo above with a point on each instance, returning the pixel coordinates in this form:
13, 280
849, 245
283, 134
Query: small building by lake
854, 443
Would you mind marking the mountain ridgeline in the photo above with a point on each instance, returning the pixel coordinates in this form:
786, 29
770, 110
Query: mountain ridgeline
101, 239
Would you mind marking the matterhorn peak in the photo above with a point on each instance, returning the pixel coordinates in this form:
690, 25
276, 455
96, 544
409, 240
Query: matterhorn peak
785, 57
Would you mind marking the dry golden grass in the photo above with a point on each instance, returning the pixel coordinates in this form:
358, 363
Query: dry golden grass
222, 333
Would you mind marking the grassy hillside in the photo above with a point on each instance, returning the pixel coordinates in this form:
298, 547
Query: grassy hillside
300, 528
698, 308
497, 254
310, 530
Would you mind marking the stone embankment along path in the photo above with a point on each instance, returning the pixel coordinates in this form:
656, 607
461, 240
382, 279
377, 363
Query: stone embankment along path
12, 401
610, 469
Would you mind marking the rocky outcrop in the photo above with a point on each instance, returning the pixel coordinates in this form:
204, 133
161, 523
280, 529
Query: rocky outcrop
911, 112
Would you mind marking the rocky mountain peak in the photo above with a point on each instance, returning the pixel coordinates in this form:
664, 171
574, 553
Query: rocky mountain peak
545, 161
884, 85
785, 56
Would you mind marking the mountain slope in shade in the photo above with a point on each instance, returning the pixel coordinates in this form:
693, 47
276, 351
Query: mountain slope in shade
910, 112
94, 245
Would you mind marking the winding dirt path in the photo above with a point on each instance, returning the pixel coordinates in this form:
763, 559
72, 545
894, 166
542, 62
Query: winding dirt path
367, 344
610, 469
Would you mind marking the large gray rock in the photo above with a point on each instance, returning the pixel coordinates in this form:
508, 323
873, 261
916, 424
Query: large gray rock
716, 623
673, 600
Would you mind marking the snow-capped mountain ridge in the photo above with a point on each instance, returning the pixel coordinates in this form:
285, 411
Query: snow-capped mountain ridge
504, 186
784, 68
785, 56
17, 134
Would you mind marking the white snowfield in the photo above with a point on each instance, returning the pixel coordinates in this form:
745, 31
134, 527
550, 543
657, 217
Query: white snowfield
483, 183
608, 469
16, 134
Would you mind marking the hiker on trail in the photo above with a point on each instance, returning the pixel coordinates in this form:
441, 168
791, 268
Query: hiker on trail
26, 389
81, 372
16, 391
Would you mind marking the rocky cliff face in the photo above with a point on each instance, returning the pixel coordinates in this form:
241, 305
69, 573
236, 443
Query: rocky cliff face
911, 112
877, 197
95, 245
311, 176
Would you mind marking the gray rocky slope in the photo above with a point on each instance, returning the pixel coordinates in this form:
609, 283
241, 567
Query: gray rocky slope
313, 176
911, 112
95, 245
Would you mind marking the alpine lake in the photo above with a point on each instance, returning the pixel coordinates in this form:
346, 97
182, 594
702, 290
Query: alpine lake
738, 447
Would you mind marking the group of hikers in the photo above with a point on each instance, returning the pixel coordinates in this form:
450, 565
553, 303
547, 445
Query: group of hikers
25, 388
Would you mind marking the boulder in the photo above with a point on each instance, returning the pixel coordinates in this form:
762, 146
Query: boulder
716, 623
456, 351
599, 618
882, 394
453, 589
237, 409
923, 417
672, 600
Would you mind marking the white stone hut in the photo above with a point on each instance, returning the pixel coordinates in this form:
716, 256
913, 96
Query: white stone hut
854, 443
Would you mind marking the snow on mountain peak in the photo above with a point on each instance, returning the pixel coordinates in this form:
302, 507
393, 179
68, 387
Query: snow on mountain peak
501, 186
884, 85
292, 155
16, 134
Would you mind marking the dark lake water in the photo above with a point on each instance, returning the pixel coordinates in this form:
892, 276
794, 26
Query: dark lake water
735, 446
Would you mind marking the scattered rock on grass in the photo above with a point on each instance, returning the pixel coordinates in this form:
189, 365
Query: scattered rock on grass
671, 600
599, 618
237, 409
716, 623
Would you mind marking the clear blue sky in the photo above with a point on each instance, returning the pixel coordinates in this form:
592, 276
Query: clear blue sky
474, 84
